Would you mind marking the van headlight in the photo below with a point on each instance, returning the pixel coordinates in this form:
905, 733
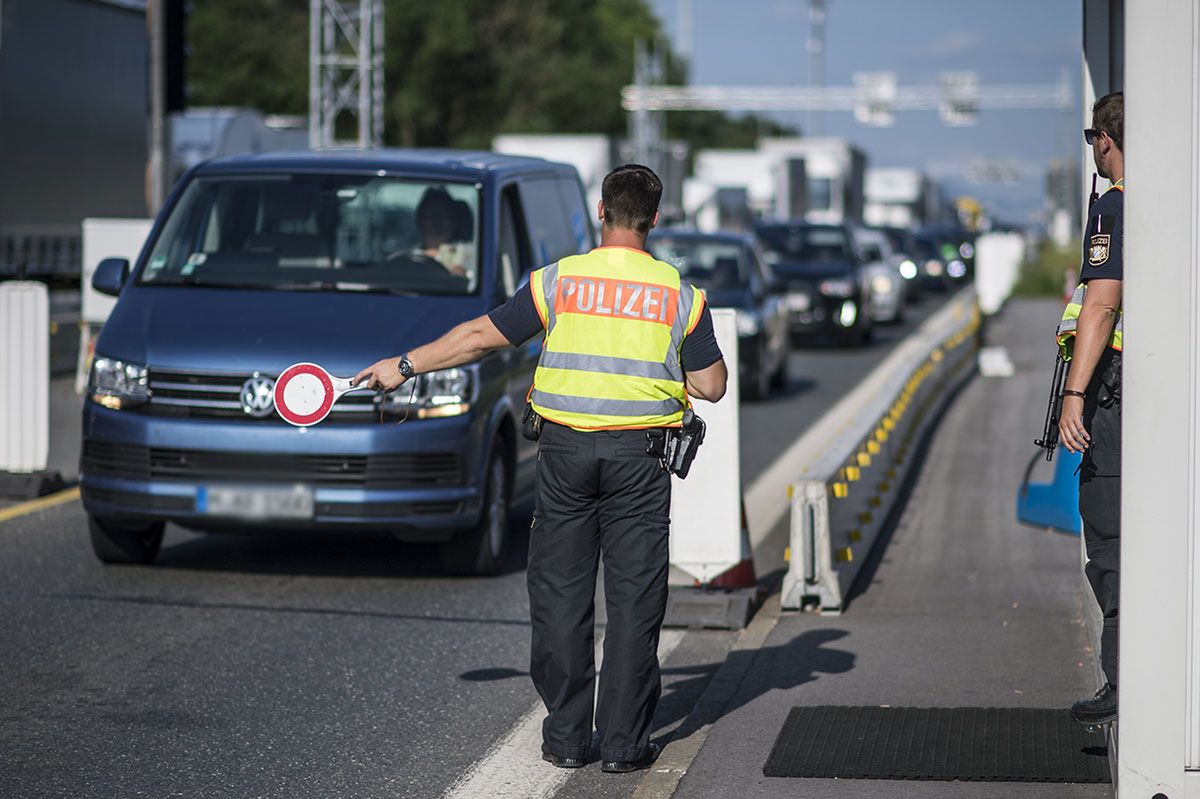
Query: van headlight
881, 284
436, 394
118, 384
908, 269
747, 322
837, 287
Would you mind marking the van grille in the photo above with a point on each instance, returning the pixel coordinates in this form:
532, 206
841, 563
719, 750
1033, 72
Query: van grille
357, 471
214, 394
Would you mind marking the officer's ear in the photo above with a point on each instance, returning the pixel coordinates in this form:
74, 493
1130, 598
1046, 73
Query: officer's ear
600, 211
654, 221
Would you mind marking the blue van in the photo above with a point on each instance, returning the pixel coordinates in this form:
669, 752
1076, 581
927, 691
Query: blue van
338, 258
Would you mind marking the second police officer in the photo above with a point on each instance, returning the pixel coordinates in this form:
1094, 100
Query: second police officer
1090, 336
627, 341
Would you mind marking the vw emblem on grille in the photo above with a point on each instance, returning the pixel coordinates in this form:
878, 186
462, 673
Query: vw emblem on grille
256, 396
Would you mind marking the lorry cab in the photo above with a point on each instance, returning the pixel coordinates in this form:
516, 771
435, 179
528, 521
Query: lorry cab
340, 259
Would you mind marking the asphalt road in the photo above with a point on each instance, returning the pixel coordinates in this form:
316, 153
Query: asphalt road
295, 665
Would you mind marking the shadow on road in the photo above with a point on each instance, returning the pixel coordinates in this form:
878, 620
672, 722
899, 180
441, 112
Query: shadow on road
781, 667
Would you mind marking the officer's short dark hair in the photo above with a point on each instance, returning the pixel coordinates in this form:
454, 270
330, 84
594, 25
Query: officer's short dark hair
630, 194
1108, 115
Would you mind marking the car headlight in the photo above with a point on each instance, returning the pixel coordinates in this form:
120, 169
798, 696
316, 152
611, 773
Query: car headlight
747, 322
933, 267
908, 269
966, 250
881, 284
956, 269
837, 287
118, 384
448, 392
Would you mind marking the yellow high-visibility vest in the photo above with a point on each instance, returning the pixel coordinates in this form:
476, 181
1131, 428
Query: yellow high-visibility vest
1070, 318
615, 322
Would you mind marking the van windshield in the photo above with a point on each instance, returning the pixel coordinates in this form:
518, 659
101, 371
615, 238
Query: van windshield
321, 232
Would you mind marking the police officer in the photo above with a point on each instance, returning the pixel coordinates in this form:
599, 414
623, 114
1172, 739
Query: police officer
627, 340
1090, 335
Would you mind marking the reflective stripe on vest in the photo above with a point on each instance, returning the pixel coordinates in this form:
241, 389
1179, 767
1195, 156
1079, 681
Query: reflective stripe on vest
615, 322
1070, 318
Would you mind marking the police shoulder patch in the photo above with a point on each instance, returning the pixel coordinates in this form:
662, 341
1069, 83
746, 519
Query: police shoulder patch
1098, 249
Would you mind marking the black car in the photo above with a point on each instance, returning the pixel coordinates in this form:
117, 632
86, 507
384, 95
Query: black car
826, 292
957, 248
731, 271
931, 262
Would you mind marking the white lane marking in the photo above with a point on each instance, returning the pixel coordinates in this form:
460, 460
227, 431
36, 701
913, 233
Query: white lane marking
513, 767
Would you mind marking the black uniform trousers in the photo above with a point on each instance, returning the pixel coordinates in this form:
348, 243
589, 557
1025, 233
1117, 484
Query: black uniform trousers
598, 494
1100, 500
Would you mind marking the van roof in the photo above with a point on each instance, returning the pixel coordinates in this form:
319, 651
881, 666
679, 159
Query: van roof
443, 163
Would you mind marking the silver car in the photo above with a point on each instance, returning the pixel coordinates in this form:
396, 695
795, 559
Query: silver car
882, 273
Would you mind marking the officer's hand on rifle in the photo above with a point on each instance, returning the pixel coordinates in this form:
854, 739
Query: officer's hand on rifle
1071, 432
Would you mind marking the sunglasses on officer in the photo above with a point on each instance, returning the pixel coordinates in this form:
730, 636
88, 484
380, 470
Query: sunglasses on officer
1091, 134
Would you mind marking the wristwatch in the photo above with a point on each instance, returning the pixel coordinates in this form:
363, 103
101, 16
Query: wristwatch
406, 367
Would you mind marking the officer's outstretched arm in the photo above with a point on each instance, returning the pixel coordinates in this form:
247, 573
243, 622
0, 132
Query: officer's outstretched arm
708, 383
468, 342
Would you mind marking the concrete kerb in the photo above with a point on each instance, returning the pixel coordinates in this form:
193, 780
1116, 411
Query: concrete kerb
661, 781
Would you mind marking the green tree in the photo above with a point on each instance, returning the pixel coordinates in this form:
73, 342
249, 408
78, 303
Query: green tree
456, 73
251, 53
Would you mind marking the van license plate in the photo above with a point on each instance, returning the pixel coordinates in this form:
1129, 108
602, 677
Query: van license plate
256, 503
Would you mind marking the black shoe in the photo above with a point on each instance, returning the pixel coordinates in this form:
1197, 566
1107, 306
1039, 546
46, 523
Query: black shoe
623, 766
560, 761
1100, 709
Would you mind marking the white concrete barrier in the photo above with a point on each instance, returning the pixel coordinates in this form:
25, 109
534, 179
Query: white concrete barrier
998, 259
25, 388
706, 508
859, 454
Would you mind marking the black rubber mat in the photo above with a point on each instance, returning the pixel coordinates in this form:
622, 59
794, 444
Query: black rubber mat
962, 743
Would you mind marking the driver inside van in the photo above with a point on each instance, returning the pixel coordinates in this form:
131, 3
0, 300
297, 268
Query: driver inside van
437, 222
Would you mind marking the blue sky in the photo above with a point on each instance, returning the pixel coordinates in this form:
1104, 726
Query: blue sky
1016, 41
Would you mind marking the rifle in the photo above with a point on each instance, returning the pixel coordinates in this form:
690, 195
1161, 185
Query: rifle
1049, 439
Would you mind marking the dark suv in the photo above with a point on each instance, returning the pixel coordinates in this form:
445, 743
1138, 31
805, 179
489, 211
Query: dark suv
259, 262
826, 292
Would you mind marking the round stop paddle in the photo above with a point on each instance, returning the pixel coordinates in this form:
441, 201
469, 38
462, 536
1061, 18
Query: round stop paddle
305, 393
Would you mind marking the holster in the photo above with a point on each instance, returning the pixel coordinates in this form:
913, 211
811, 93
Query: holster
680, 444
531, 424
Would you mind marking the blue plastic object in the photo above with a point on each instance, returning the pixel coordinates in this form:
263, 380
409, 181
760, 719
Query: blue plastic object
1054, 504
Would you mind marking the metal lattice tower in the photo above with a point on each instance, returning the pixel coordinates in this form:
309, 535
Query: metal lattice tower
646, 125
816, 61
345, 71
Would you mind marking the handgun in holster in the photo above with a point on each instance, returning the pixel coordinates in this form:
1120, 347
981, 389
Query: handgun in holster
676, 447
531, 424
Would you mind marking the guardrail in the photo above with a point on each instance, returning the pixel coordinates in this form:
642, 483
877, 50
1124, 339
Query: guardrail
860, 453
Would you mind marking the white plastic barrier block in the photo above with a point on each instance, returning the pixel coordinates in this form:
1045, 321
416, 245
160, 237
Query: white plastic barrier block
998, 259
25, 389
706, 508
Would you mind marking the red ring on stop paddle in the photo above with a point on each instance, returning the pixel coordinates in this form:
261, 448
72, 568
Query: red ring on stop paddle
294, 371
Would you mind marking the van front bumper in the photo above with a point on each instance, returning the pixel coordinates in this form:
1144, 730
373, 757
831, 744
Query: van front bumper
419, 480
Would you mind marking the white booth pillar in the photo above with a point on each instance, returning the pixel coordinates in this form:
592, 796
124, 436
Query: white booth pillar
1159, 726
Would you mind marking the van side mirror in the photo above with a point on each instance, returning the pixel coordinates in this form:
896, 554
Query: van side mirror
110, 276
